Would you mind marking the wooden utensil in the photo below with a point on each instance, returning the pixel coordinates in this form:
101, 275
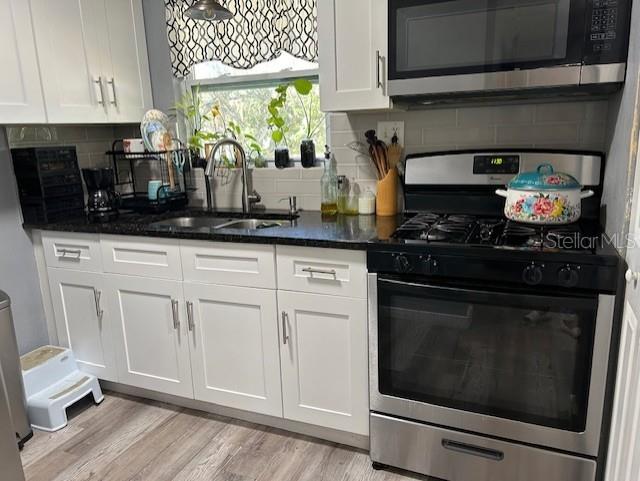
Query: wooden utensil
378, 153
394, 152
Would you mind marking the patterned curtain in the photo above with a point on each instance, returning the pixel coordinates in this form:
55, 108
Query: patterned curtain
258, 32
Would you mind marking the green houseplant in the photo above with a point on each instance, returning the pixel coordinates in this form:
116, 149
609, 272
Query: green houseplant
192, 111
278, 126
312, 122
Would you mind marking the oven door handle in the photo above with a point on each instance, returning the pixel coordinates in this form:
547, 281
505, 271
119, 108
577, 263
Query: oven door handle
464, 448
464, 294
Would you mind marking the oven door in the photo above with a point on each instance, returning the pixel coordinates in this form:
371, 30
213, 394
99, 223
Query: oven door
507, 363
438, 46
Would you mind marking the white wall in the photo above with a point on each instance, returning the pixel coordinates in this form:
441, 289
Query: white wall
18, 275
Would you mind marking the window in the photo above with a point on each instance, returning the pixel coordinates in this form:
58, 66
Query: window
243, 96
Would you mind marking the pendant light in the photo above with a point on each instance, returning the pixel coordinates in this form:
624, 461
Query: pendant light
208, 10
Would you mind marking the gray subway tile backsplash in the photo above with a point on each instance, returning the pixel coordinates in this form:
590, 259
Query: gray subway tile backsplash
567, 125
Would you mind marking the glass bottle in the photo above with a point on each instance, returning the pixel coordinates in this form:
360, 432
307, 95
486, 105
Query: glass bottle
329, 185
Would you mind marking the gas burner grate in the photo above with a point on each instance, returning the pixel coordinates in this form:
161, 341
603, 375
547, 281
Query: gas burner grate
496, 232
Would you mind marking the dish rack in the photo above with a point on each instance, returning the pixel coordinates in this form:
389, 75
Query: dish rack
171, 170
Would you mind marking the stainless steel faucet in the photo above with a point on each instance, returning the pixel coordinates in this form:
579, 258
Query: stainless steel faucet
248, 199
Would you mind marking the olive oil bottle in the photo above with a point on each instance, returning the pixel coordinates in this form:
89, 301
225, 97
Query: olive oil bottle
329, 185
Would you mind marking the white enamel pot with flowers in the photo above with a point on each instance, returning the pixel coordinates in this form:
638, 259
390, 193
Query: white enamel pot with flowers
544, 197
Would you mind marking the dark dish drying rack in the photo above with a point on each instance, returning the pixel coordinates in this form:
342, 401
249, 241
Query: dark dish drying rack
134, 170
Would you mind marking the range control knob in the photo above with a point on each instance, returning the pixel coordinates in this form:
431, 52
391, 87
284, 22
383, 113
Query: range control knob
532, 274
430, 264
569, 275
402, 263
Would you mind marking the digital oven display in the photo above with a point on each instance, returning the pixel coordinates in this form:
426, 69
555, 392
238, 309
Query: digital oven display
496, 164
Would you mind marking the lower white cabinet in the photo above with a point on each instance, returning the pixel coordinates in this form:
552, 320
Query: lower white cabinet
82, 320
324, 359
151, 337
235, 357
284, 353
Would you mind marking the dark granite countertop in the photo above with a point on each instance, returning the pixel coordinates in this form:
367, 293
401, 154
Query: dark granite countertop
308, 229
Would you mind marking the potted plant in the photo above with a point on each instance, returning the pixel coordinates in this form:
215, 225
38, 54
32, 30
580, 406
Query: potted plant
276, 121
191, 109
303, 88
278, 127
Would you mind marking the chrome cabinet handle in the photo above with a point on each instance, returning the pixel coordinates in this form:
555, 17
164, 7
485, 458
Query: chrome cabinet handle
96, 296
70, 252
190, 321
97, 83
312, 271
379, 60
174, 310
113, 99
285, 336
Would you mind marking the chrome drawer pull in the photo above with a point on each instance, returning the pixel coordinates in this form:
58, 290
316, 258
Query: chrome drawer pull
285, 336
113, 99
312, 271
97, 82
70, 252
190, 320
96, 296
174, 309
463, 448
379, 60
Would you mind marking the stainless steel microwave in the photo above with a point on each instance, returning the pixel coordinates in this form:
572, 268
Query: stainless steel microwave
464, 46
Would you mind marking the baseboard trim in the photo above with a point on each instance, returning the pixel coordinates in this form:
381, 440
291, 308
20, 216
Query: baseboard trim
355, 440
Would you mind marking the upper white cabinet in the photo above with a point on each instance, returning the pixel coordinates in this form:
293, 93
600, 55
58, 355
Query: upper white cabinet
20, 91
352, 43
128, 83
93, 60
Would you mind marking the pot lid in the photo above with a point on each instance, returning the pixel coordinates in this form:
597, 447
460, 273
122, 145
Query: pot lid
544, 178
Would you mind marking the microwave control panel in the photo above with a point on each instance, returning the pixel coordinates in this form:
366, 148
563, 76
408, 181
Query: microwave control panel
607, 31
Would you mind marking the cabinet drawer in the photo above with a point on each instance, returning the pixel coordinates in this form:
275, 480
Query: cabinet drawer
322, 271
244, 265
457, 456
142, 257
72, 251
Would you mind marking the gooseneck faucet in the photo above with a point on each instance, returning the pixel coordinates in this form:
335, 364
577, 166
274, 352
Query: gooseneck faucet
248, 199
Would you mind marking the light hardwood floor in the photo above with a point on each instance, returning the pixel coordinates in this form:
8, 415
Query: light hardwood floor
127, 438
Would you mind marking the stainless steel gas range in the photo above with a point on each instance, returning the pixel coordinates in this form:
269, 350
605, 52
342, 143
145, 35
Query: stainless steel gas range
490, 340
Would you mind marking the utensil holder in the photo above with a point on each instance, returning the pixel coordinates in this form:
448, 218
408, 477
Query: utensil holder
387, 196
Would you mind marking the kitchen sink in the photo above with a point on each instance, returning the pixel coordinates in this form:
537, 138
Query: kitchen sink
221, 223
193, 222
252, 224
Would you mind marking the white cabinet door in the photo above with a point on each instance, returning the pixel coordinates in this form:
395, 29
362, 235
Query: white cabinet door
20, 91
71, 48
128, 82
623, 462
234, 347
323, 352
83, 321
151, 341
352, 50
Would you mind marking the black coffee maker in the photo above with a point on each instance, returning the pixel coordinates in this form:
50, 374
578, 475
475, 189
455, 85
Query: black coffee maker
102, 200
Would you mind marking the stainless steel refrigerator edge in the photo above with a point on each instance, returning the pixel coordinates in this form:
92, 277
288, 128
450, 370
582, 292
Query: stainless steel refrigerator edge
11, 374
14, 425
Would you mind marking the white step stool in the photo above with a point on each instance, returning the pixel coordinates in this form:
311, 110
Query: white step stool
52, 383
